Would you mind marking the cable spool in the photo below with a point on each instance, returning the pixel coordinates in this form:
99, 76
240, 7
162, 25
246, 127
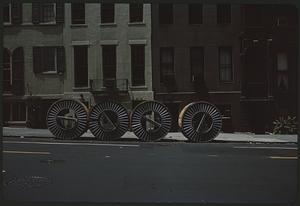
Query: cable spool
150, 121
108, 120
200, 121
67, 119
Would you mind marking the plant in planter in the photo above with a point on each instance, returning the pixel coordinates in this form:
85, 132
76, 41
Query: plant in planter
285, 125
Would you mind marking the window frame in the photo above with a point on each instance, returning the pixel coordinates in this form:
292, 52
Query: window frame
191, 19
44, 55
78, 21
111, 65
137, 68
10, 72
86, 83
131, 21
161, 14
42, 11
162, 64
221, 13
193, 73
9, 15
105, 19
228, 48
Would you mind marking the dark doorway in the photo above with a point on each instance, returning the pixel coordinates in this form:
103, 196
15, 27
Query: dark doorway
256, 71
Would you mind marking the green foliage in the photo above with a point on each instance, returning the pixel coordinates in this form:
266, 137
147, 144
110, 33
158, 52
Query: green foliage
285, 125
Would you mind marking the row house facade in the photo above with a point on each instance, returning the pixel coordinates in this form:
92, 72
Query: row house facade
74, 50
242, 58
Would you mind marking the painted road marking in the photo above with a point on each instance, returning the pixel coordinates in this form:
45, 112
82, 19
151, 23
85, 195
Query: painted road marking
25, 152
72, 143
283, 158
283, 148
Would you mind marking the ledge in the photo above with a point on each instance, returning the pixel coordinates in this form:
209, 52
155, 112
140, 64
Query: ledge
136, 24
108, 24
78, 25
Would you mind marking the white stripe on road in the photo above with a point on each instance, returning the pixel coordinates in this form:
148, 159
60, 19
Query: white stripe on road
72, 143
26, 152
284, 158
283, 148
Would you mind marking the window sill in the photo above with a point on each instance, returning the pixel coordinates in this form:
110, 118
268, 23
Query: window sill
7, 24
86, 88
136, 24
195, 24
113, 24
78, 25
138, 87
47, 23
50, 72
226, 82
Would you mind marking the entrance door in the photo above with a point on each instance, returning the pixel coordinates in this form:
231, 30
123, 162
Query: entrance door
256, 71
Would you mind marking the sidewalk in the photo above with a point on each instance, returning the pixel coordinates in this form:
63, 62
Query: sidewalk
176, 136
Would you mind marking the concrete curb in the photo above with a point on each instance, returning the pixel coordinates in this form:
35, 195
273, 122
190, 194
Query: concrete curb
172, 136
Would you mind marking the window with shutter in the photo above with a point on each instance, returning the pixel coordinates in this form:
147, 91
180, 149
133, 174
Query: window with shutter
18, 72
16, 12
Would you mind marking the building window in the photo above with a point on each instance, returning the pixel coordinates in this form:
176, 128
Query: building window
136, 12
81, 66
78, 13
7, 13
48, 59
107, 13
282, 72
166, 63
165, 13
45, 59
197, 63
224, 14
138, 65
14, 111
195, 13
109, 63
253, 15
48, 12
225, 64
7, 74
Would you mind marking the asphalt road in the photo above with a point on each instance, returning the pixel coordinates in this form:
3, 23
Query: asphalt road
93, 171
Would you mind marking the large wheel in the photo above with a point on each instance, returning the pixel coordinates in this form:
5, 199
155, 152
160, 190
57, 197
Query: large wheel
150, 121
200, 121
67, 119
108, 120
